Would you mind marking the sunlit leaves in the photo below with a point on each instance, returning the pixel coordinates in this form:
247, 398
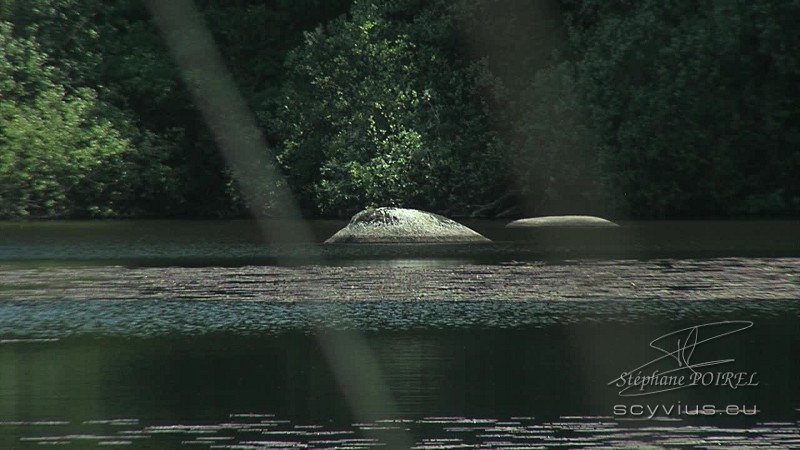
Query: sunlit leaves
58, 156
375, 113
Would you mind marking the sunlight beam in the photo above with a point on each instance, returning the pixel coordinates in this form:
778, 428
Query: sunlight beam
252, 164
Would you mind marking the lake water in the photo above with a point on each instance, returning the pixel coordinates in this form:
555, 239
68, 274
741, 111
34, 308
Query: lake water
213, 335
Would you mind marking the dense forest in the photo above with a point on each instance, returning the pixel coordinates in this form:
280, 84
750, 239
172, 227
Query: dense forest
484, 108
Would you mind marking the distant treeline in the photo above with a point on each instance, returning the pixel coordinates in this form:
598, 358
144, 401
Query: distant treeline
642, 109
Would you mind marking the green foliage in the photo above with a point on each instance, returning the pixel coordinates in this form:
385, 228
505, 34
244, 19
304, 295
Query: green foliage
114, 50
654, 108
256, 35
551, 146
695, 103
375, 113
58, 156
67, 31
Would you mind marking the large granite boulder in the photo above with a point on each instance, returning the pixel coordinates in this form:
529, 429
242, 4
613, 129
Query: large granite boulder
561, 221
400, 225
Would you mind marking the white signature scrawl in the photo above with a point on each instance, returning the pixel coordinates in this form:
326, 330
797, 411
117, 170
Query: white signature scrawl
687, 373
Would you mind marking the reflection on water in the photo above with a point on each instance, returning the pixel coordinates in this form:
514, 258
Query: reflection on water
241, 242
684, 279
128, 334
21, 320
158, 374
254, 431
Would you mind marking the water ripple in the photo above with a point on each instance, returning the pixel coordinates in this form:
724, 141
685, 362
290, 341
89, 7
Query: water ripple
702, 279
438, 433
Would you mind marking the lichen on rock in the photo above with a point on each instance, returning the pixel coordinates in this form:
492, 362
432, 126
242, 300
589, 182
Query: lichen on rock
401, 225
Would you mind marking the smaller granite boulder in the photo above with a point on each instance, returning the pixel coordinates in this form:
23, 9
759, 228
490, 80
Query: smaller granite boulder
400, 225
562, 221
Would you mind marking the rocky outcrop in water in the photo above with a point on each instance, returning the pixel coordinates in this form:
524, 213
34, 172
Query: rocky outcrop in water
400, 225
562, 221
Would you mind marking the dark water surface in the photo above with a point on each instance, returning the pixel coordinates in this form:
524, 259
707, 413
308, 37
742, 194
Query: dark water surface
242, 242
161, 335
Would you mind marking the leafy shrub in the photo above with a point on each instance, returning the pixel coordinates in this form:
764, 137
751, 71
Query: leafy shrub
58, 156
376, 113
